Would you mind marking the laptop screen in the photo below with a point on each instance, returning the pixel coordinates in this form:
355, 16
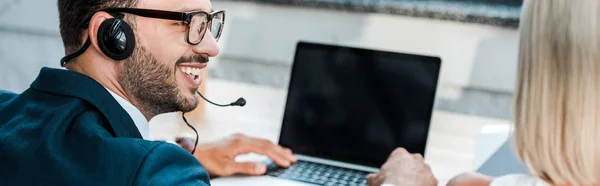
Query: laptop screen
357, 105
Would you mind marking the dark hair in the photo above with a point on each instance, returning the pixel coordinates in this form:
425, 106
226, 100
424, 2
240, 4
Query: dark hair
73, 12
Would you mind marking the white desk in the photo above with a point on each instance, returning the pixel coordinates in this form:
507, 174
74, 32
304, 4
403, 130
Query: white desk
450, 149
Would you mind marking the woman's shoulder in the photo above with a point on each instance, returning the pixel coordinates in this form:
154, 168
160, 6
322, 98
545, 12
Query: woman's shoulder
518, 179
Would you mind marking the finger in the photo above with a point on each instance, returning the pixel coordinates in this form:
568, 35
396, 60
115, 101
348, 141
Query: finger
428, 168
274, 152
248, 168
399, 152
282, 152
418, 157
185, 143
238, 135
287, 153
291, 154
372, 180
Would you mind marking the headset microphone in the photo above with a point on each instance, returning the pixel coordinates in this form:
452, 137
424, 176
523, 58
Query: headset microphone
239, 102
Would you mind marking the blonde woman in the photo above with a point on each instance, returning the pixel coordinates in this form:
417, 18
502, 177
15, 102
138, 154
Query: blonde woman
557, 105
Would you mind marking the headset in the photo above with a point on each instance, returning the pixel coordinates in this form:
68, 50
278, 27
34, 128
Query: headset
115, 39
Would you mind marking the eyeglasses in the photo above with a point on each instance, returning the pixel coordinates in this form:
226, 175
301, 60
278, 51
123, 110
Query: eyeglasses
197, 21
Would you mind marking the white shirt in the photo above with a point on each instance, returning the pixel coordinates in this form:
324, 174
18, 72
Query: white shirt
136, 115
516, 179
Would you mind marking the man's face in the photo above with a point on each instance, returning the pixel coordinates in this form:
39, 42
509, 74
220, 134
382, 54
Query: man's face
157, 75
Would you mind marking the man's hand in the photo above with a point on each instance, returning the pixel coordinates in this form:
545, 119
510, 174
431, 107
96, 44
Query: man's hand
218, 157
403, 168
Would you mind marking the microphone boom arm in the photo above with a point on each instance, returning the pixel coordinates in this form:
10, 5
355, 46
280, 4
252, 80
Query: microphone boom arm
211, 101
240, 102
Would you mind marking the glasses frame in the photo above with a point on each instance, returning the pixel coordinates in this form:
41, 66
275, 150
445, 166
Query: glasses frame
176, 16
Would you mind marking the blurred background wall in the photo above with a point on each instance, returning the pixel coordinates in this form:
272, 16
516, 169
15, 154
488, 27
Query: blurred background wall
476, 39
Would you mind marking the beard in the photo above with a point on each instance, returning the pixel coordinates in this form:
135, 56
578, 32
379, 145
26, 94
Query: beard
152, 85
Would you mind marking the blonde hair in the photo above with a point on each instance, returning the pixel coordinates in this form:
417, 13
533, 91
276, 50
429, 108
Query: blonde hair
557, 101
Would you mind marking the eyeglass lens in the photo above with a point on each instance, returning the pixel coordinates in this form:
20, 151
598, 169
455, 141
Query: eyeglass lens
199, 26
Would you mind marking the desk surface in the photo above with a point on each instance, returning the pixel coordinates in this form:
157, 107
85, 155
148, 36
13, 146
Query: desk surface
450, 149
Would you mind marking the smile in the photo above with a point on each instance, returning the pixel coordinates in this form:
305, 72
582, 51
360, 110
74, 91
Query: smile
192, 72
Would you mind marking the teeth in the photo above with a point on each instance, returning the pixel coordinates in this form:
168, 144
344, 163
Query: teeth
190, 71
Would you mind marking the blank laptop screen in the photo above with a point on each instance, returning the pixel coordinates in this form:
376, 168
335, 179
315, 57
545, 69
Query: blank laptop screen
356, 105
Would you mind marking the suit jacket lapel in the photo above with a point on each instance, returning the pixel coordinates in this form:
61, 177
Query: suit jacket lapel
74, 84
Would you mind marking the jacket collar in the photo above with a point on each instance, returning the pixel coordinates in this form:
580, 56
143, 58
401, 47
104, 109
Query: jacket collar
75, 84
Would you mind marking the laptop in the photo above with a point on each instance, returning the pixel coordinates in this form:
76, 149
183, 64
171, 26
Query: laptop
347, 109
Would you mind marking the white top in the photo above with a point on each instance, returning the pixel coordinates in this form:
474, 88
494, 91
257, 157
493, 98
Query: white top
136, 115
518, 179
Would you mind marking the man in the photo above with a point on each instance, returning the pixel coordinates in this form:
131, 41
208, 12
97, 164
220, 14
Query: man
88, 125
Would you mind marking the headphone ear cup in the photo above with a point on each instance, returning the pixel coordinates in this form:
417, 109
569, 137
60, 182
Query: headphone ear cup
116, 39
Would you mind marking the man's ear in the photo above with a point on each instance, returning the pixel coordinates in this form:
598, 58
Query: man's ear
97, 19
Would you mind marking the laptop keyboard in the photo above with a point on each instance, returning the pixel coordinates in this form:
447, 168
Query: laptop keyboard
320, 174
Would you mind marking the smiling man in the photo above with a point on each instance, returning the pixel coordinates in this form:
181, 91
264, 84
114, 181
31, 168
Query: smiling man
128, 61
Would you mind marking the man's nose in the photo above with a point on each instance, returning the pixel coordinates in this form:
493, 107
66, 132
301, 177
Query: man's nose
207, 46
